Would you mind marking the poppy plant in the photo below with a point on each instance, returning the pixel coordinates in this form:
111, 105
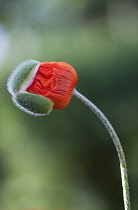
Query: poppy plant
37, 88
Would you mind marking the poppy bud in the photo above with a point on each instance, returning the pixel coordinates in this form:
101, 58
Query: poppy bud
37, 87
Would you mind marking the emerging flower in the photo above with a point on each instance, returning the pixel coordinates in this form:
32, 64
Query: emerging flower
37, 87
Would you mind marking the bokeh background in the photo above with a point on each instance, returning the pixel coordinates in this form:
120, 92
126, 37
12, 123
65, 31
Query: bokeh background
67, 160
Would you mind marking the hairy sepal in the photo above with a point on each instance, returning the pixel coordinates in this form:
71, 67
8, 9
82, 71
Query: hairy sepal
33, 104
22, 76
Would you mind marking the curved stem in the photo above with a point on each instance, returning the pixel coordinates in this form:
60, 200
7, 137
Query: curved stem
110, 129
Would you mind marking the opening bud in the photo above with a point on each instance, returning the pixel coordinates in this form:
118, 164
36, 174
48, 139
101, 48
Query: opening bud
38, 87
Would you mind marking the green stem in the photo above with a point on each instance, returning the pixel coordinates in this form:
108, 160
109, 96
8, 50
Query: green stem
110, 129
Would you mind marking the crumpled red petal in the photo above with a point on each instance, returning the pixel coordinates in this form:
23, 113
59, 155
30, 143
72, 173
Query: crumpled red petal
55, 81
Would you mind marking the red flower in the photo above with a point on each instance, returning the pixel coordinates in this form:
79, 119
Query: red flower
55, 81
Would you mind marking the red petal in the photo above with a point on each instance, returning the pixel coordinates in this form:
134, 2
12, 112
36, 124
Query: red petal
55, 81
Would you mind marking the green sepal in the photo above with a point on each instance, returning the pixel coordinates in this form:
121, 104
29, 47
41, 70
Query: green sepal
21, 75
33, 104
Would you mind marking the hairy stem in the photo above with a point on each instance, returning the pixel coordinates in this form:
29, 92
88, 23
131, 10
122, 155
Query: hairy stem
110, 129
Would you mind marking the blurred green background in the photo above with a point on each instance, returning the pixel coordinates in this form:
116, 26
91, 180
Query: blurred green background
66, 160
